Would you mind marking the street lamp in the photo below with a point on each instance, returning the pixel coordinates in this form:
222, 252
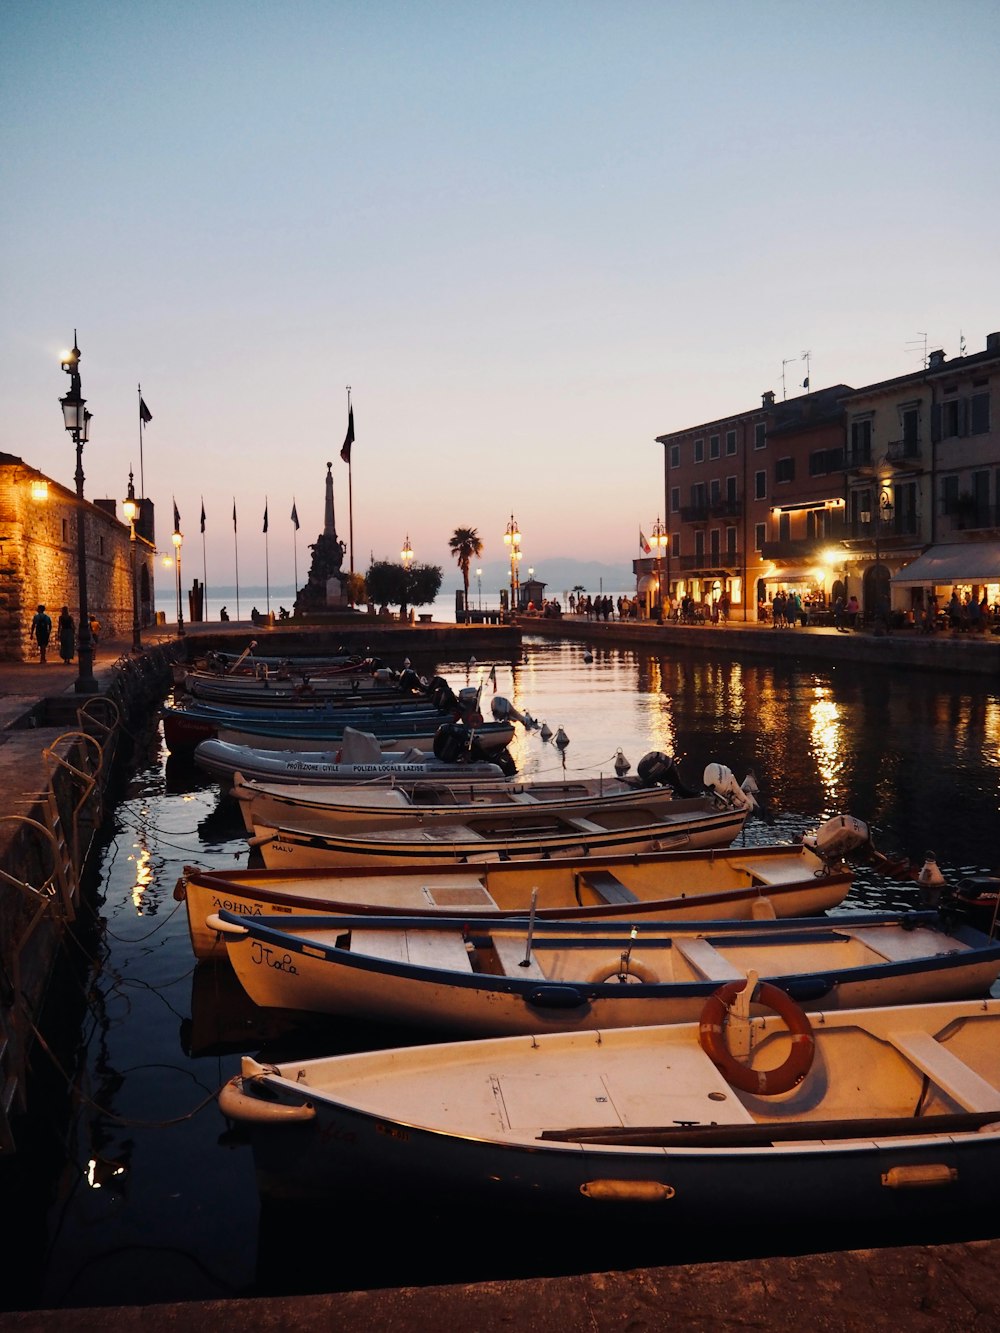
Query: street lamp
512, 538
659, 541
130, 508
77, 420
879, 519
406, 553
479, 585
178, 539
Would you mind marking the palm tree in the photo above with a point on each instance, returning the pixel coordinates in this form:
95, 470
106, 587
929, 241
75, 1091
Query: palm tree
465, 545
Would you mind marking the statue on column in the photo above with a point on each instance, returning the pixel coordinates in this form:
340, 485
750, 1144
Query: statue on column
324, 588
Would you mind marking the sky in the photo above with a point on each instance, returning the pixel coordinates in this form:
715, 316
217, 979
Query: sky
530, 236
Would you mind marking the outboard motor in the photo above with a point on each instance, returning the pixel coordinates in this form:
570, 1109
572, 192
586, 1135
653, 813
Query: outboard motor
837, 836
504, 711
409, 681
467, 704
451, 742
720, 780
657, 769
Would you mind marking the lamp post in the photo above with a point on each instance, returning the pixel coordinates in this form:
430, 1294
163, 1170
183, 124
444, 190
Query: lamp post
77, 420
479, 585
512, 539
177, 538
659, 541
130, 508
880, 517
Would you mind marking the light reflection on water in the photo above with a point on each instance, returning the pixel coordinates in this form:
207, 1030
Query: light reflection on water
161, 1204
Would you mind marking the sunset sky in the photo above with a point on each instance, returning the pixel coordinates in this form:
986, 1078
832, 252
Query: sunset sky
531, 237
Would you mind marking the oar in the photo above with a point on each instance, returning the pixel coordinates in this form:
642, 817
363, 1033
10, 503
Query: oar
526, 960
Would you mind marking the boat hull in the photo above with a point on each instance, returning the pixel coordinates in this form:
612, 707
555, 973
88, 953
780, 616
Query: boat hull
519, 1122
734, 884
223, 760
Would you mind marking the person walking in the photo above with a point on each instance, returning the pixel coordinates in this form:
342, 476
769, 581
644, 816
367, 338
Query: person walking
41, 631
66, 628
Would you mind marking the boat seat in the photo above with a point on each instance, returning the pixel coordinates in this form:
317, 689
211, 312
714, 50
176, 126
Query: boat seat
608, 887
707, 961
962, 1084
776, 870
422, 948
523, 798
585, 825
510, 950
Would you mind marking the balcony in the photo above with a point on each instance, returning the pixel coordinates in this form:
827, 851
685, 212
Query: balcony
801, 548
695, 513
709, 562
725, 508
905, 453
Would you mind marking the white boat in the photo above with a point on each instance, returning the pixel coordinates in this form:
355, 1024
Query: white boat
501, 978
392, 733
370, 807
736, 883
359, 758
890, 1114
509, 834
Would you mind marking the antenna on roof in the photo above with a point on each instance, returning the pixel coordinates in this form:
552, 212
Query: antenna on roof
912, 346
789, 361
805, 382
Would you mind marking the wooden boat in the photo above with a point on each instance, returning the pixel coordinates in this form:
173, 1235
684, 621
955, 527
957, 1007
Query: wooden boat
186, 725
348, 762
367, 807
889, 1114
496, 978
392, 733
738, 884
509, 834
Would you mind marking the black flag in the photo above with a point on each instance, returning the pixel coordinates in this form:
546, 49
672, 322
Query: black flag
295, 516
144, 412
203, 515
345, 452
265, 515
234, 515
177, 519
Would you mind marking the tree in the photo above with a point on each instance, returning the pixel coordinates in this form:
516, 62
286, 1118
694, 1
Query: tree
465, 545
390, 584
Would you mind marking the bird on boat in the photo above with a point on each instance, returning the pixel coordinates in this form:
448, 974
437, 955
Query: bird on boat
588, 656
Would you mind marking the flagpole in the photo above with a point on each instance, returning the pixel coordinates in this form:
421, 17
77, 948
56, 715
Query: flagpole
142, 483
350, 487
295, 544
204, 566
236, 547
267, 565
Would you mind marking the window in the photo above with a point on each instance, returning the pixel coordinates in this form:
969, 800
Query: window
731, 489
716, 546
759, 535
675, 499
65, 529
730, 443
699, 545
980, 414
699, 451
675, 455
715, 491
784, 470
824, 461
952, 418
675, 544
730, 540
760, 485
760, 435
949, 495
713, 446
784, 526
981, 498
699, 497
861, 440
909, 420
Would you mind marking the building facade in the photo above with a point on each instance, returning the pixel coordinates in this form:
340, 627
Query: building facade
837, 493
38, 558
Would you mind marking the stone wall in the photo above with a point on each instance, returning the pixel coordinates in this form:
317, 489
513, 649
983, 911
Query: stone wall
38, 560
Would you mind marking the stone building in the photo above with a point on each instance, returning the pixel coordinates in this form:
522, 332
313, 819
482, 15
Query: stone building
38, 557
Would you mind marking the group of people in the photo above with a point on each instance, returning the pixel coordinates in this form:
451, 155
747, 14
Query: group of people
604, 607
41, 632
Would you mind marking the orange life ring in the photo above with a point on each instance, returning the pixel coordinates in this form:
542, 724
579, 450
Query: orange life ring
764, 1082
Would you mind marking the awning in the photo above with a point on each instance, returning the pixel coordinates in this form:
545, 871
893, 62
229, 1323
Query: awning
956, 562
646, 582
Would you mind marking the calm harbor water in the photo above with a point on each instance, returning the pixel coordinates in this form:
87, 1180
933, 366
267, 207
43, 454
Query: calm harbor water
133, 1189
